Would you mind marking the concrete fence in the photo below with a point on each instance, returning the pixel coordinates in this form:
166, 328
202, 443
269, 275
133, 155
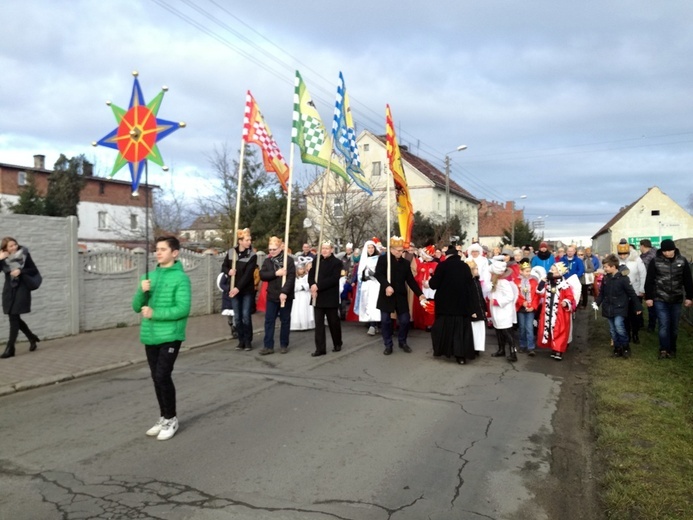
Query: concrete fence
93, 290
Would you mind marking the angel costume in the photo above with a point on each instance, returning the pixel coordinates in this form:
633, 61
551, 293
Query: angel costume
368, 287
302, 315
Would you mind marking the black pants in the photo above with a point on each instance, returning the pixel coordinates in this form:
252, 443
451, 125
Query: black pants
17, 324
333, 322
161, 359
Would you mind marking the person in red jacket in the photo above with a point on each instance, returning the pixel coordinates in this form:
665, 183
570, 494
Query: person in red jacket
527, 302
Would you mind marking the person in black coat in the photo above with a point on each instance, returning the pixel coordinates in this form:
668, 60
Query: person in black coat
16, 295
614, 297
325, 293
281, 280
455, 295
393, 294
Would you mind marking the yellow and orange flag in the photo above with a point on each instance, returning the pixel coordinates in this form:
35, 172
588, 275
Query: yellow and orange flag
256, 131
405, 209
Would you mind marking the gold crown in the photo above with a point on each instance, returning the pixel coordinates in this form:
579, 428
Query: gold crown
396, 242
275, 241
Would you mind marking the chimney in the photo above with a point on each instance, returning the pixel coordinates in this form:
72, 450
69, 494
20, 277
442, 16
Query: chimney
40, 162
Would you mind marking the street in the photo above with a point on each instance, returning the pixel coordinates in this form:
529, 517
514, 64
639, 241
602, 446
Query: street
351, 435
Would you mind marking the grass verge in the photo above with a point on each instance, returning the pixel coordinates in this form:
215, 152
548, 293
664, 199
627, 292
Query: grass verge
643, 420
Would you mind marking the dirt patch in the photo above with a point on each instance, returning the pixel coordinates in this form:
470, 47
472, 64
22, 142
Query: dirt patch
570, 492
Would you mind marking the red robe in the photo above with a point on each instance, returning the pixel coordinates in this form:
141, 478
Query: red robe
555, 318
422, 319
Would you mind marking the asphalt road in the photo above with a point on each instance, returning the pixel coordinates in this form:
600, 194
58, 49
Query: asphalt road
351, 435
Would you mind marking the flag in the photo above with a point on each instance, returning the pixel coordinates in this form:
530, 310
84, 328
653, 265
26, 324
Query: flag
256, 131
344, 137
309, 133
405, 210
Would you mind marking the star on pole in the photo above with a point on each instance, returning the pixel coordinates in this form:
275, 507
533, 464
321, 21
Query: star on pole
137, 134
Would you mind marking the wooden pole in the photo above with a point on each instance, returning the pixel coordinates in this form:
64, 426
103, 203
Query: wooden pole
238, 213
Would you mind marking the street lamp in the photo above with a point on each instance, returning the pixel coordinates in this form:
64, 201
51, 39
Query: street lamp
447, 179
512, 239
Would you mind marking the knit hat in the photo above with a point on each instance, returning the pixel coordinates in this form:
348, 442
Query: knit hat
507, 251
500, 268
543, 244
668, 245
623, 246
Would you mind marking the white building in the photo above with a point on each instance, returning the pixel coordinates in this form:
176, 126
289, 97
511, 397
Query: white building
655, 216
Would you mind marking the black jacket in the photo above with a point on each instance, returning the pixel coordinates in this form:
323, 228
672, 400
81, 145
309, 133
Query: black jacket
401, 276
668, 279
454, 285
17, 300
245, 269
274, 283
614, 295
329, 273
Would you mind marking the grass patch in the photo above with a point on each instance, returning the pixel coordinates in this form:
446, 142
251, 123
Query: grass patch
643, 420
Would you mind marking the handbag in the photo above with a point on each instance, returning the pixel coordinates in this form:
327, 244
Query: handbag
34, 281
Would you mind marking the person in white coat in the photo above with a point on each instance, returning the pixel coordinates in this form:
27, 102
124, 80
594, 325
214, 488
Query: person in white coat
302, 316
632, 265
502, 306
366, 304
476, 253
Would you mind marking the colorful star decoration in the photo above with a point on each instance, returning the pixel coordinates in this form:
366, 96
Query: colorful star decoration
137, 134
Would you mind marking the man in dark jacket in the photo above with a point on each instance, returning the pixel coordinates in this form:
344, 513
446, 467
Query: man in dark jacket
240, 264
647, 254
393, 294
324, 287
615, 297
668, 281
280, 278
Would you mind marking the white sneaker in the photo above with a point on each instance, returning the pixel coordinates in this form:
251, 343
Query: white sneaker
154, 430
168, 429
371, 331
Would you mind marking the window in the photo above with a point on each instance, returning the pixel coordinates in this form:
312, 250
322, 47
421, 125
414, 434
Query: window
21, 179
338, 209
655, 212
102, 188
376, 168
103, 220
366, 147
133, 221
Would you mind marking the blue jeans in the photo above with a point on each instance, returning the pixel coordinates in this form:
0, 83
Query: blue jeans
241, 305
617, 328
668, 315
273, 310
386, 328
525, 321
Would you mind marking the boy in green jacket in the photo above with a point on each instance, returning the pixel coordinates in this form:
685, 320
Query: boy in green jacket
163, 298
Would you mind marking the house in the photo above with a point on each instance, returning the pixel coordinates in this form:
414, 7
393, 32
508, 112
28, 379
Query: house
108, 213
494, 219
427, 188
205, 230
654, 215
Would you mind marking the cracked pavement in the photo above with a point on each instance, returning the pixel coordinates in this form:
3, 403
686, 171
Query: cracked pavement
354, 435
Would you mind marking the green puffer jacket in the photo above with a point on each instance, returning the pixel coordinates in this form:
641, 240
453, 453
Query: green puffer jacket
169, 299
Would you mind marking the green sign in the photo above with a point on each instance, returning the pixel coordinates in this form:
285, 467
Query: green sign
656, 241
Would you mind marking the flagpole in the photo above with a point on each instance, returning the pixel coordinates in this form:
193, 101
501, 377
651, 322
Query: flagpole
288, 214
387, 245
238, 213
322, 213
146, 225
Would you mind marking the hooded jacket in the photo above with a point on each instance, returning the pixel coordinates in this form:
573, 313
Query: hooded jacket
169, 298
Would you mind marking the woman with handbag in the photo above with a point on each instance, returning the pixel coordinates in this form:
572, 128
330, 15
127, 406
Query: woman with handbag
21, 277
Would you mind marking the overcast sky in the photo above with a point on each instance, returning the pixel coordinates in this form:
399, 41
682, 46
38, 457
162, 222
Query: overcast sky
580, 106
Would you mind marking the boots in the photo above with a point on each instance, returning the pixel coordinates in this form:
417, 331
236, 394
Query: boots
625, 349
513, 354
618, 352
32, 343
9, 352
499, 353
636, 337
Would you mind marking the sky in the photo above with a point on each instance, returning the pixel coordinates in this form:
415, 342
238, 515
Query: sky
579, 106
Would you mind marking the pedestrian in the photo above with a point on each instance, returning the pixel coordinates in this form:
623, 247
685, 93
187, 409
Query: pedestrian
239, 265
573, 263
307, 250
616, 297
555, 317
591, 263
634, 268
502, 307
478, 309
279, 272
324, 290
543, 258
20, 272
476, 253
558, 257
525, 306
452, 333
647, 254
393, 294
302, 316
668, 284
368, 289
163, 299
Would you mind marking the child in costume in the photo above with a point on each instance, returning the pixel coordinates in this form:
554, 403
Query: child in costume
555, 318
